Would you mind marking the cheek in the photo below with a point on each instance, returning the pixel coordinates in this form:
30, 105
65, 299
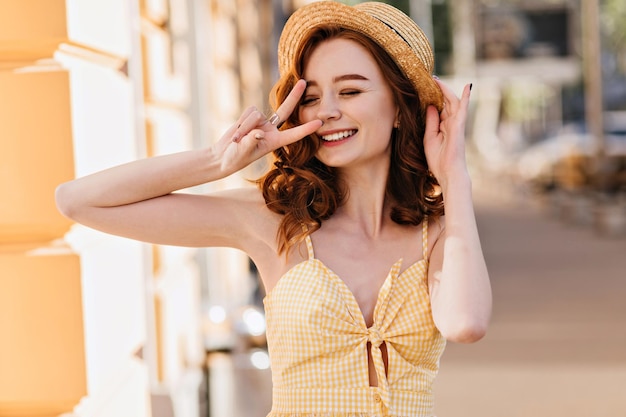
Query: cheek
305, 114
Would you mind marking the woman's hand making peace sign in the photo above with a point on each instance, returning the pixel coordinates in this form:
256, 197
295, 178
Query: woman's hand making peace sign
254, 136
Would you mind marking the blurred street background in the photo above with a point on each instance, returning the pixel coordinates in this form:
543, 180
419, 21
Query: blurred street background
557, 342
95, 325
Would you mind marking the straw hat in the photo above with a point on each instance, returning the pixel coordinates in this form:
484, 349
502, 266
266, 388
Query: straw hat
394, 31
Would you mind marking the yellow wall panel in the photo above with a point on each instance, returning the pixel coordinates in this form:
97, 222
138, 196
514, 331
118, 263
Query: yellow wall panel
32, 19
42, 357
32, 29
35, 153
159, 337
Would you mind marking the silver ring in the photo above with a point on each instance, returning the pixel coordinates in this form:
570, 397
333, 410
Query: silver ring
274, 119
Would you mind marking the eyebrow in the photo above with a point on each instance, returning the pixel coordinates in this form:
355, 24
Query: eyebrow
344, 77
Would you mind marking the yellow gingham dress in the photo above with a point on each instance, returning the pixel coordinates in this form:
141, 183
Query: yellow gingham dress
318, 341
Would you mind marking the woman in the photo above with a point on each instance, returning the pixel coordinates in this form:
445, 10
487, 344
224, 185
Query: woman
365, 277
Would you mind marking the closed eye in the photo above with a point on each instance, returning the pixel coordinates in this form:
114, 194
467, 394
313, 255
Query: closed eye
308, 100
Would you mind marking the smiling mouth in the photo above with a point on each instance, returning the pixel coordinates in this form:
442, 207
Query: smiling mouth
334, 137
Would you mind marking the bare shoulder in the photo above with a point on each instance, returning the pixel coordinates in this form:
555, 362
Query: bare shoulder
245, 216
248, 201
259, 226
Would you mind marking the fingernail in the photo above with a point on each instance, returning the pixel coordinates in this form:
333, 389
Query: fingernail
435, 77
236, 137
470, 86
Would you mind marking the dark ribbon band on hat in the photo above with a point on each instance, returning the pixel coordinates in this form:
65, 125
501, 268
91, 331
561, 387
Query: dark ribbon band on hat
395, 31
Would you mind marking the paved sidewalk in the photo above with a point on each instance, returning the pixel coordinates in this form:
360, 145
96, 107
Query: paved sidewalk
557, 343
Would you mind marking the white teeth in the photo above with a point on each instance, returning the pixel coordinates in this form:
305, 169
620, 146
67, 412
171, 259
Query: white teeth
339, 135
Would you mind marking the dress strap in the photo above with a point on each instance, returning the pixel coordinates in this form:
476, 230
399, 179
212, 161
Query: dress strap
309, 246
425, 237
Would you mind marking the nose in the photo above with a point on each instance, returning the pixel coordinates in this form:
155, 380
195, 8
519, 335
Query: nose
328, 108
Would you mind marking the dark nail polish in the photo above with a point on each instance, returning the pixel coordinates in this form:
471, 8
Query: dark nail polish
470, 86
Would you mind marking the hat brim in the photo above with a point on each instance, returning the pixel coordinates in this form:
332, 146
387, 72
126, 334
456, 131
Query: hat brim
410, 51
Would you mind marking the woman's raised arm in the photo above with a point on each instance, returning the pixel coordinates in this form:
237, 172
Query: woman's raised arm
458, 278
138, 199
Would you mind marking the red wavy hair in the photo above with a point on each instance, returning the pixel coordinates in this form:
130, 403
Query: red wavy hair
306, 192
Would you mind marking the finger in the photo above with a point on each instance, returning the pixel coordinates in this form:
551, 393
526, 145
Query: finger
463, 103
452, 104
449, 97
448, 94
230, 132
235, 130
252, 119
245, 115
465, 96
258, 134
293, 98
289, 136
432, 123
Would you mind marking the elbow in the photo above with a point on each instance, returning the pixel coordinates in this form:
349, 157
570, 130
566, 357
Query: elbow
465, 331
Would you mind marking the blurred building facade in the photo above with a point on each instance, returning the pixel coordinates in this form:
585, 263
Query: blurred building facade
523, 56
93, 324
549, 104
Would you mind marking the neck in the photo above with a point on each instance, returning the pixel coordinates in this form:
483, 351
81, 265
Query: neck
366, 206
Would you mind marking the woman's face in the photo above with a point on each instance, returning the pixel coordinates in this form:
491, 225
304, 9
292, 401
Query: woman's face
347, 91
